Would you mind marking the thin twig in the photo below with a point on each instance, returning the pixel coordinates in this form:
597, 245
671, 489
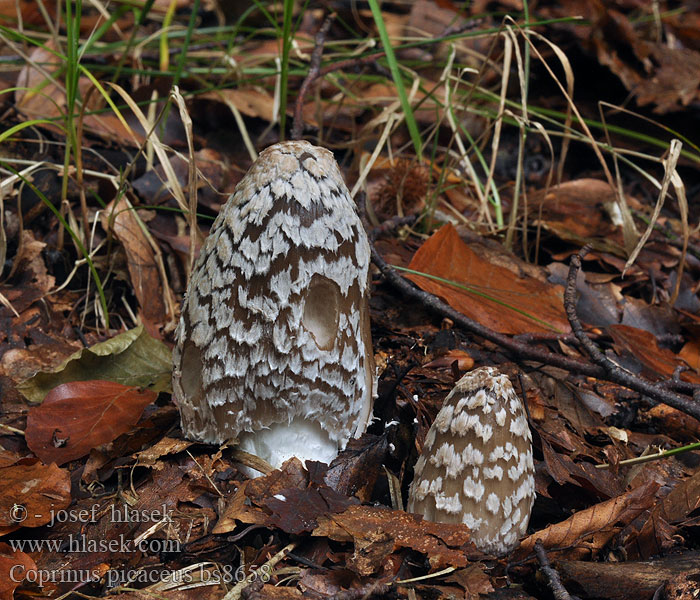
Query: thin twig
260, 575
339, 66
316, 72
570, 307
656, 391
389, 225
314, 68
558, 590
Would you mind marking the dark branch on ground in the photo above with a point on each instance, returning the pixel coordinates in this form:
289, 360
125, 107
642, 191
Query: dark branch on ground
553, 580
604, 370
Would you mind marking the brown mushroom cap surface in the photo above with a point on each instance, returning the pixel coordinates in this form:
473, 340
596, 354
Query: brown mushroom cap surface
273, 346
476, 465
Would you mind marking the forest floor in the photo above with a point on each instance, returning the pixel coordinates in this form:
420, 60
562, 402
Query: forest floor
528, 177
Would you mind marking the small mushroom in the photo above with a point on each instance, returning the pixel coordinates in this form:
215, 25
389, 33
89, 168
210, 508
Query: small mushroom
273, 345
476, 465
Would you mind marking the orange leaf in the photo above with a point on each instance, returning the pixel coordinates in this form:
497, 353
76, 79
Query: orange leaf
498, 298
13, 568
32, 493
142, 263
76, 417
641, 344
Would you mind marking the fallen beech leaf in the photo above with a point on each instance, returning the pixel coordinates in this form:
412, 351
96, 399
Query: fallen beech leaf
472, 579
29, 12
295, 510
354, 472
14, 566
371, 552
37, 94
605, 518
249, 101
643, 346
142, 261
31, 492
285, 498
238, 508
76, 417
164, 447
463, 359
338, 582
276, 592
495, 296
576, 212
683, 499
690, 353
248, 503
444, 544
582, 474
130, 358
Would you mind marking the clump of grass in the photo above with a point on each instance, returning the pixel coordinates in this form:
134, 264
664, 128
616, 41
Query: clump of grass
197, 59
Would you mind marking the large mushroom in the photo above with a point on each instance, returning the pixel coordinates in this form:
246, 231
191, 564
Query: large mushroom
476, 464
273, 345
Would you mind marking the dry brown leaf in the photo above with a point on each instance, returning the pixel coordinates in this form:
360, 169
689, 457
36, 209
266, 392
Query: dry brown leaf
514, 304
683, 499
582, 474
603, 518
473, 579
690, 353
654, 72
251, 102
575, 211
14, 566
444, 544
238, 509
247, 504
165, 446
463, 360
141, 259
28, 10
642, 345
334, 582
31, 491
39, 93
297, 510
354, 472
274, 592
76, 417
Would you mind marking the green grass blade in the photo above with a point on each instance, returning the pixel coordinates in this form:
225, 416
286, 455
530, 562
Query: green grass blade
12, 130
126, 52
180, 66
398, 80
476, 292
284, 72
73, 234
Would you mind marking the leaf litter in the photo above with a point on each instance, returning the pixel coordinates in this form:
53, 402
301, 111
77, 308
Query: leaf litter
97, 460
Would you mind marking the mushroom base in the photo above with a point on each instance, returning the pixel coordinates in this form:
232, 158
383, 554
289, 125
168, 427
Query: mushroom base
301, 438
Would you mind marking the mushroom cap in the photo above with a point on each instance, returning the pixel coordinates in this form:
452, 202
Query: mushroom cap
275, 324
476, 465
